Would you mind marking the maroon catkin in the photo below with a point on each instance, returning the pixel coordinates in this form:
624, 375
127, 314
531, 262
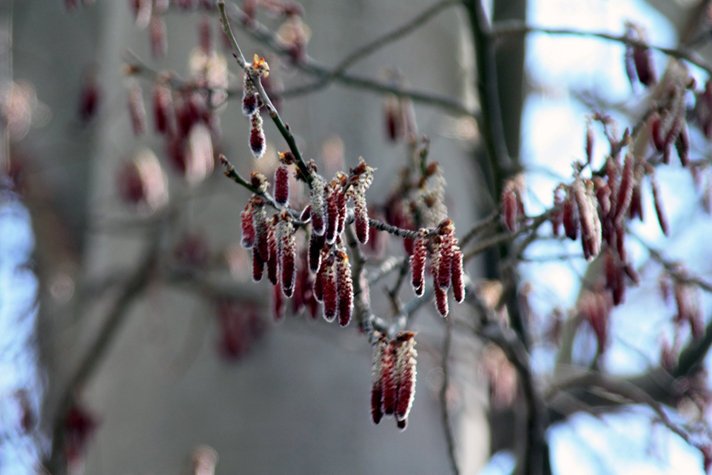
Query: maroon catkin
317, 205
361, 219
345, 288
273, 255
277, 303
569, 215
329, 291
248, 226
332, 212
287, 255
316, 244
389, 379
417, 261
281, 185
441, 302
157, 32
458, 281
258, 266
162, 108
406, 370
137, 110
257, 136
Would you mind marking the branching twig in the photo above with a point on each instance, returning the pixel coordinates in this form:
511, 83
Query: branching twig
516, 27
267, 38
255, 80
136, 283
373, 46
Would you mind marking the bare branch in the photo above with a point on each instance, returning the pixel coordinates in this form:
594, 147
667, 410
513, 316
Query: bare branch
516, 27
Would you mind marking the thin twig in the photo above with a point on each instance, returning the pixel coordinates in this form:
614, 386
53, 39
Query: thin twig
373, 46
444, 407
267, 37
516, 27
94, 356
271, 109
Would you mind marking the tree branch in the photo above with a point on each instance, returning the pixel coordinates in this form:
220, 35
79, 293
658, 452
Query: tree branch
98, 350
373, 46
309, 66
516, 27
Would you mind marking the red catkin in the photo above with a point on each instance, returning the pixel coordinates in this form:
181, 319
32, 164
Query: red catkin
389, 378
458, 281
157, 33
569, 216
380, 346
361, 219
316, 244
273, 249
137, 110
406, 370
329, 291
441, 302
162, 108
248, 226
258, 266
277, 303
281, 185
417, 262
345, 289
257, 136
287, 254
317, 205
332, 211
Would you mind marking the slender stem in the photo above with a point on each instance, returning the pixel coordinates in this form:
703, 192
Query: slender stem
267, 37
516, 27
136, 283
444, 407
376, 44
254, 78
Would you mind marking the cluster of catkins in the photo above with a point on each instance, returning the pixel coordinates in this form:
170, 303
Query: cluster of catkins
273, 241
445, 264
394, 373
